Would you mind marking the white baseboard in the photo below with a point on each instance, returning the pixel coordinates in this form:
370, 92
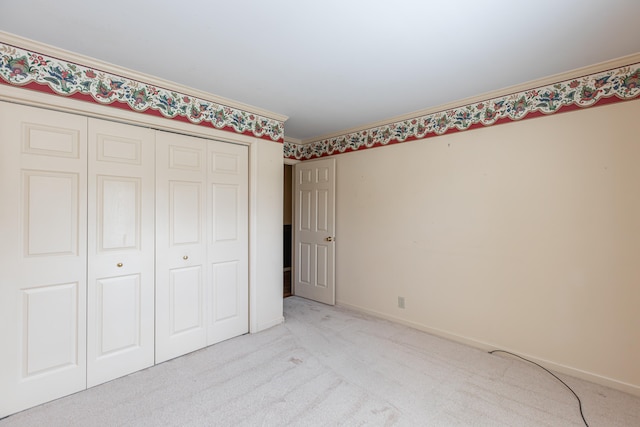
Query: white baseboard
264, 326
568, 370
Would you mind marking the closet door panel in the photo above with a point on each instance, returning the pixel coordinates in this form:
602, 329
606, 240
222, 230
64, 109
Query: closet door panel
181, 272
227, 246
43, 251
185, 297
118, 315
121, 250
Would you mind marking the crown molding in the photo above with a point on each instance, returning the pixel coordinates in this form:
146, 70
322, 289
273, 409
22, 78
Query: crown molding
611, 81
91, 62
88, 76
292, 140
544, 81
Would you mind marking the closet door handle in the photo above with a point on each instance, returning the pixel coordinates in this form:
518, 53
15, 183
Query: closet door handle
185, 257
119, 264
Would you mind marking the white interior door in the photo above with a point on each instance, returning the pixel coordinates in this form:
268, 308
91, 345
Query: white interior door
314, 235
181, 245
227, 251
120, 310
43, 222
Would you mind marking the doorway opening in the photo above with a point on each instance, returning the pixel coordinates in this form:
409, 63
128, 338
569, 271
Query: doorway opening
287, 242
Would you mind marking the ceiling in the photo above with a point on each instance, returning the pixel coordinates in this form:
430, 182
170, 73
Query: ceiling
332, 65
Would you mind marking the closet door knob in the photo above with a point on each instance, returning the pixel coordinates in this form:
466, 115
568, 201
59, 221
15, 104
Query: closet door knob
185, 257
119, 264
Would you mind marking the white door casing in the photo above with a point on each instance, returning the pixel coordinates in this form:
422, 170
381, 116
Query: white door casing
43, 222
314, 233
121, 241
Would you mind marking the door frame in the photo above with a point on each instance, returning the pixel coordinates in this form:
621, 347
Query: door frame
292, 162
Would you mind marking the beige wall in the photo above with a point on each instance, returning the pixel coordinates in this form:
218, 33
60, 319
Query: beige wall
523, 236
266, 227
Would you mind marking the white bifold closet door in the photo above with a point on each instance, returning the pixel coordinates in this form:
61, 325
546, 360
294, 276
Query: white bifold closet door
201, 243
227, 241
121, 246
113, 247
43, 253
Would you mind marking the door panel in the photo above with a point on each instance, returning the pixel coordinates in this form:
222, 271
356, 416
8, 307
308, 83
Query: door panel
303, 258
322, 265
50, 329
51, 140
118, 210
118, 319
186, 299
120, 149
322, 210
43, 175
121, 250
185, 220
181, 253
225, 286
315, 230
304, 213
50, 213
225, 212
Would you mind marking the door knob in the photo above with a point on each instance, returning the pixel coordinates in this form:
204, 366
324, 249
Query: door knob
119, 264
185, 257
330, 239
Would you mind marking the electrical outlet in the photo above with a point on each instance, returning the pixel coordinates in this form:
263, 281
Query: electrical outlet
400, 302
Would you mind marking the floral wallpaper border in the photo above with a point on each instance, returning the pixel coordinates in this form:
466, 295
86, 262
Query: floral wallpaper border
619, 84
20, 67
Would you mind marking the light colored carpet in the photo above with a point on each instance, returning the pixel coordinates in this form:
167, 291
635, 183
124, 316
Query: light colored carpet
330, 366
